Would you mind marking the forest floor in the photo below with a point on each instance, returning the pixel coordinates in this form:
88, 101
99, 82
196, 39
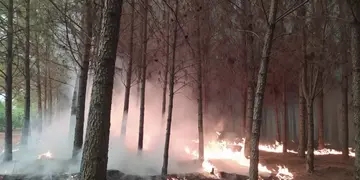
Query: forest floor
16, 138
327, 167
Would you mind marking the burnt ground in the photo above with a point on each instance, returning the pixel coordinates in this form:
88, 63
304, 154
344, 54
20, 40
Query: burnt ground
327, 167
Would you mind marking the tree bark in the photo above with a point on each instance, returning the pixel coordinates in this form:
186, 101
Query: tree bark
73, 110
45, 79
243, 121
164, 169
344, 111
302, 116
260, 89
277, 116
38, 85
344, 84
80, 113
199, 86
285, 119
95, 153
9, 81
128, 73
26, 129
355, 56
310, 143
250, 78
166, 69
320, 114
143, 76
50, 99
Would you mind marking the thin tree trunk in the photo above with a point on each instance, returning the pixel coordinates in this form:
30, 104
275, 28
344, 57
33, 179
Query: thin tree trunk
95, 153
285, 119
310, 143
302, 111
206, 94
26, 129
8, 94
344, 83
164, 169
80, 113
277, 117
355, 56
166, 68
143, 77
344, 111
129, 72
45, 93
320, 114
260, 89
73, 110
249, 117
243, 121
38, 84
50, 99
250, 79
199, 86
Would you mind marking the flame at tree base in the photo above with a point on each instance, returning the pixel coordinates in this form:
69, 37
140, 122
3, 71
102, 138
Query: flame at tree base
221, 150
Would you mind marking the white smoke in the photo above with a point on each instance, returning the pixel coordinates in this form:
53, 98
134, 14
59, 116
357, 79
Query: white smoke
122, 155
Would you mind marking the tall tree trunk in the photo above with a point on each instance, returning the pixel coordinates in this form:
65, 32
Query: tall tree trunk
95, 153
45, 93
199, 85
243, 121
344, 110
310, 143
309, 95
80, 113
166, 68
73, 110
164, 169
38, 84
355, 56
260, 89
250, 78
302, 111
206, 93
320, 118
26, 129
344, 84
143, 76
277, 116
129, 72
9, 79
50, 98
285, 118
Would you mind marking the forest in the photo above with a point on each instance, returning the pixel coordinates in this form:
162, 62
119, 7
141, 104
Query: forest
180, 89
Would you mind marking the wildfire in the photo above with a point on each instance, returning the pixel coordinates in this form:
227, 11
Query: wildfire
46, 155
278, 148
220, 150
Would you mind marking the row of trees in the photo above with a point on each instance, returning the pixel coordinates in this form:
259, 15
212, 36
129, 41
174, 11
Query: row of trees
206, 45
36, 66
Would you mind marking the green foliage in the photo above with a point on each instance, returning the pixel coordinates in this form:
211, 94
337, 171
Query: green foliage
17, 114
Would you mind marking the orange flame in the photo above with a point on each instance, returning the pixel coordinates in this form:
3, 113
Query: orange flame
220, 150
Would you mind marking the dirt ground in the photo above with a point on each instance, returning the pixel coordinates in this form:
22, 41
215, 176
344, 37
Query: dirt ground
16, 138
328, 167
